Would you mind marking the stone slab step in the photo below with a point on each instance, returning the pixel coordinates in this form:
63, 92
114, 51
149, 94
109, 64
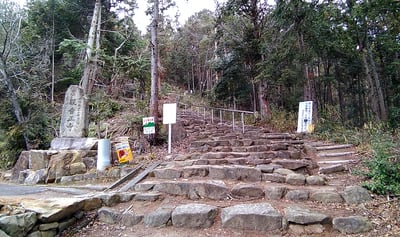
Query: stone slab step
266, 172
260, 218
337, 154
333, 147
332, 162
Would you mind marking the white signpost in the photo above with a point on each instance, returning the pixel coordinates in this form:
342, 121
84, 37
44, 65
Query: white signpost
169, 117
149, 126
304, 122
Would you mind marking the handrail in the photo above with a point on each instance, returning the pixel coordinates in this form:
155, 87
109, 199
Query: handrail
242, 112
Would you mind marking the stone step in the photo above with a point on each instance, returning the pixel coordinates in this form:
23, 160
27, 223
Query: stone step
274, 173
217, 153
332, 162
337, 154
220, 190
333, 147
229, 148
246, 219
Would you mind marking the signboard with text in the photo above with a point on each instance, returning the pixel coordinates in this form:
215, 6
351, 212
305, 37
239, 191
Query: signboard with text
169, 113
304, 123
149, 126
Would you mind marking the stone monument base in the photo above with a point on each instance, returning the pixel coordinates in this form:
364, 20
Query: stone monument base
73, 143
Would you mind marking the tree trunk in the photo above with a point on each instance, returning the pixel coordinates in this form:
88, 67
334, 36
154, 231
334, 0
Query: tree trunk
154, 67
379, 91
372, 92
14, 101
88, 72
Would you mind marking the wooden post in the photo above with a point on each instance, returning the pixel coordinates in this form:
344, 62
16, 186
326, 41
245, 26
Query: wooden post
242, 122
233, 121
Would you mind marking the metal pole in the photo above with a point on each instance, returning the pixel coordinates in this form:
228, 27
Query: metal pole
169, 138
243, 122
220, 116
204, 114
212, 115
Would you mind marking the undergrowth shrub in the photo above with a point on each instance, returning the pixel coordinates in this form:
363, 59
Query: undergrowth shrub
384, 165
282, 121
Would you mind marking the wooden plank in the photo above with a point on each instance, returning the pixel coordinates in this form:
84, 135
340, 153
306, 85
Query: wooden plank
141, 176
125, 178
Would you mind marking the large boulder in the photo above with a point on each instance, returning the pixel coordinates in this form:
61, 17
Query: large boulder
18, 225
65, 163
38, 159
36, 177
21, 164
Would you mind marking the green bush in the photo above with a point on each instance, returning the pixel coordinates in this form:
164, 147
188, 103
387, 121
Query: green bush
384, 166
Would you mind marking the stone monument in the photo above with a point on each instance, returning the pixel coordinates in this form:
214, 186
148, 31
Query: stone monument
74, 122
74, 119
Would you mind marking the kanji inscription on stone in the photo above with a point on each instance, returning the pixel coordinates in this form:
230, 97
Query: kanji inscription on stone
74, 119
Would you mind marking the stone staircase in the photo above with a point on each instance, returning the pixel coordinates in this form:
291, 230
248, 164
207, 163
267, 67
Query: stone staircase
270, 183
228, 183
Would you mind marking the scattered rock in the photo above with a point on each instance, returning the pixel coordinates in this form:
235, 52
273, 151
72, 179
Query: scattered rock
356, 195
351, 224
107, 215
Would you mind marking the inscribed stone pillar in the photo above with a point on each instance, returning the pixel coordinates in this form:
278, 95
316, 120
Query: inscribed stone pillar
74, 119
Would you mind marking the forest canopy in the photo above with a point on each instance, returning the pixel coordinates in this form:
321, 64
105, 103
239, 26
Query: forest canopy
343, 55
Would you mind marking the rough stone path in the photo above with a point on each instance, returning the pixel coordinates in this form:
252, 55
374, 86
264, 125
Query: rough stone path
258, 181
255, 183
